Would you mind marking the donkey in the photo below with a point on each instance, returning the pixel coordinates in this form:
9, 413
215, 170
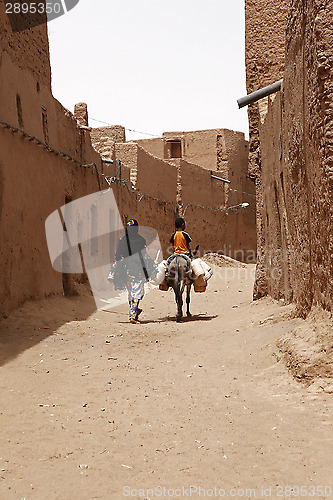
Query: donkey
179, 276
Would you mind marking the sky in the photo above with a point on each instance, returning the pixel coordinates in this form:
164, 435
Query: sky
151, 65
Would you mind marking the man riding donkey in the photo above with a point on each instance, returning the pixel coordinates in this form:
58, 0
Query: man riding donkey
179, 272
180, 240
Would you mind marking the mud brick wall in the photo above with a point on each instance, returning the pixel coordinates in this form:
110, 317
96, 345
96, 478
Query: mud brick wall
296, 165
34, 182
308, 145
168, 189
27, 49
265, 25
105, 138
215, 149
37, 176
225, 152
219, 231
154, 146
197, 186
34, 179
81, 114
155, 177
199, 147
278, 257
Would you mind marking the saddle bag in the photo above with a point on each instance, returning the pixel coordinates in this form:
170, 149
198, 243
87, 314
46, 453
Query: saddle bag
199, 283
201, 274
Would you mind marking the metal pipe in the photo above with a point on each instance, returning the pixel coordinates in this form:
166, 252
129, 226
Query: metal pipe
220, 179
241, 205
259, 94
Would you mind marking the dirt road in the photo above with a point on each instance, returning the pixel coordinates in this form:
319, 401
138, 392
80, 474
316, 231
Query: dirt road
95, 408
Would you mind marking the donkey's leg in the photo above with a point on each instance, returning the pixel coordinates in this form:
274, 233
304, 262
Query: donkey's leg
179, 302
188, 299
179, 299
178, 294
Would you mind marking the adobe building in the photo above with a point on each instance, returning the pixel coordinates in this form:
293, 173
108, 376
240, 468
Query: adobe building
225, 154
215, 149
50, 157
291, 148
42, 153
220, 150
265, 25
291, 157
179, 171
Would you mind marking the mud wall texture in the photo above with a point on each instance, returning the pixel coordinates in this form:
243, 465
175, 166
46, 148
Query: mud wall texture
105, 138
215, 149
42, 149
154, 146
231, 232
27, 49
278, 260
265, 24
223, 153
296, 177
308, 145
199, 147
164, 190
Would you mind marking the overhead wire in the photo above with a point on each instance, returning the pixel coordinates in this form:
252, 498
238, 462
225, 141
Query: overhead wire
48, 148
137, 197
129, 129
242, 192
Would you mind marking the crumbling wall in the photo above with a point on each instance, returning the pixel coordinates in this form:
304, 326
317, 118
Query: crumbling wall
224, 152
278, 256
232, 165
296, 172
156, 177
198, 147
197, 186
105, 138
81, 114
319, 119
265, 24
308, 132
295, 144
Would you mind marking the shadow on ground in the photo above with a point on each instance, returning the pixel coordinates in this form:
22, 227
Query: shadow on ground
44, 318
185, 319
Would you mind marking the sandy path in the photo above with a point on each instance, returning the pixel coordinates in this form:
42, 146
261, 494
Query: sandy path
95, 408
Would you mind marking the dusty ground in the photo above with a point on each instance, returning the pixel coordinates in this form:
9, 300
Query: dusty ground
95, 408
308, 350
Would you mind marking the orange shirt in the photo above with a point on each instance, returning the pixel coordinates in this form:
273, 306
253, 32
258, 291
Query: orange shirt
180, 241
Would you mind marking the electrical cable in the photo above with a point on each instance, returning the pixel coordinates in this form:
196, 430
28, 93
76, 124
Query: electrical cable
129, 129
109, 180
48, 148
